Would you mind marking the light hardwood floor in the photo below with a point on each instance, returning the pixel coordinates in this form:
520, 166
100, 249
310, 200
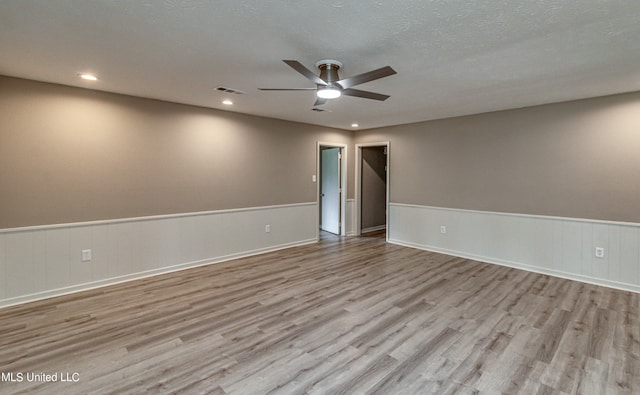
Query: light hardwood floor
345, 315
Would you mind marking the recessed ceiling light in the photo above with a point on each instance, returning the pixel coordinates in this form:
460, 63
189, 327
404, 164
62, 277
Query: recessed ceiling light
227, 102
354, 125
88, 77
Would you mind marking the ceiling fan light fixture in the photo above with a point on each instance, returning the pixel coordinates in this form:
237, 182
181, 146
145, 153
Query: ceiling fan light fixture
329, 93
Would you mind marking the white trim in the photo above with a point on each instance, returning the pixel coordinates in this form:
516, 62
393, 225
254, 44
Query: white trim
358, 194
343, 185
515, 265
572, 219
351, 217
149, 273
150, 218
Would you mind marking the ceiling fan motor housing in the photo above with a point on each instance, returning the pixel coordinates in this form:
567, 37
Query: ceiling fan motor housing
329, 72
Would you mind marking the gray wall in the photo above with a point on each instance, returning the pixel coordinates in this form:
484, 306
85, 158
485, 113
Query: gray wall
374, 187
70, 155
576, 159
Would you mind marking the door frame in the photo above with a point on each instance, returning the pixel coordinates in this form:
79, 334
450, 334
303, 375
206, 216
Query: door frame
358, 182
343, 184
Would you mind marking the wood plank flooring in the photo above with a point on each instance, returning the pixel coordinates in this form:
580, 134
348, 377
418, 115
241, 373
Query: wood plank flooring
343, 316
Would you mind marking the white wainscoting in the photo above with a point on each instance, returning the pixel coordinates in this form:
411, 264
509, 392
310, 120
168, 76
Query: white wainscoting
562, 247
40, 262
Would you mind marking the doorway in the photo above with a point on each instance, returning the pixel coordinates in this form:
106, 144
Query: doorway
331, 187
372, 188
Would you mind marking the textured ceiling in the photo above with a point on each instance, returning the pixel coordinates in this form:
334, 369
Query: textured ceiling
453, 57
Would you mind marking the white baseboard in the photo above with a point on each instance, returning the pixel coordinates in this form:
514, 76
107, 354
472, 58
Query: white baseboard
42, 262
373, 228
561, 247
515, 265
141, 275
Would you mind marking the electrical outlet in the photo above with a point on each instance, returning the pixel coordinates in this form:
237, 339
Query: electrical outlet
86, 255
599, 251
443, 230
267, 229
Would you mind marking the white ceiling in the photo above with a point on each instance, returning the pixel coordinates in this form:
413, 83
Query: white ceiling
453, 57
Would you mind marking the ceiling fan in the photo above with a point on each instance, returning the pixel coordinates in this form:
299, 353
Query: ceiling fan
330, 86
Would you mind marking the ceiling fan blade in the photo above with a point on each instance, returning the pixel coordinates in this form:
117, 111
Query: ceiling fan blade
365, 94
287, 89
297, 66
366, 77
319, 101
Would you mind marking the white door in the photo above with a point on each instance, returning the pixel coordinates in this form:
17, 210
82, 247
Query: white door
330, 190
